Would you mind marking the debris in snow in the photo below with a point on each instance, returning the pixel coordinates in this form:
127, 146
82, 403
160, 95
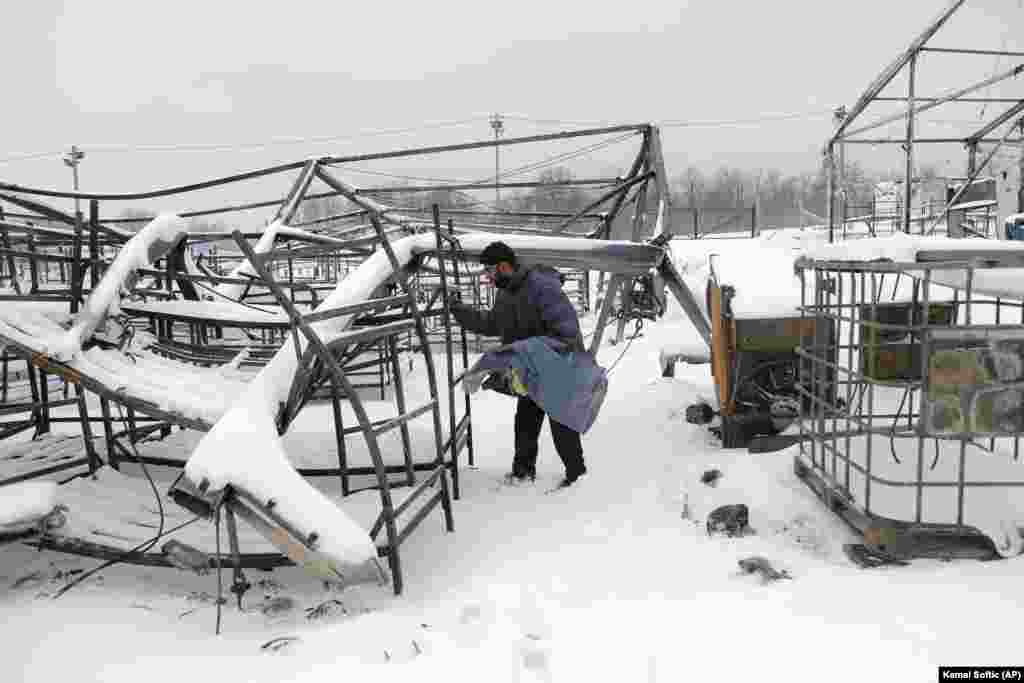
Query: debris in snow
871, 558
700, 413
34, 577
205, 598
327, 608
184, 556
278, 644
759, 565
733, 520
711, 477
277, 606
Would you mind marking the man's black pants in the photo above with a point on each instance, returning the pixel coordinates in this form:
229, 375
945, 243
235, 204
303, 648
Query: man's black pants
529, 420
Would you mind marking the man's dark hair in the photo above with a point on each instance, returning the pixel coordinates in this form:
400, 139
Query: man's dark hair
497, 252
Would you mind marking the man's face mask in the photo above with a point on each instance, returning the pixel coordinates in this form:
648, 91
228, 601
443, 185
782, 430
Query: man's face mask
500, 280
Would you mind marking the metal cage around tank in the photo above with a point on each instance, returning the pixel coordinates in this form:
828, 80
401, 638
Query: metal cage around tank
890, 450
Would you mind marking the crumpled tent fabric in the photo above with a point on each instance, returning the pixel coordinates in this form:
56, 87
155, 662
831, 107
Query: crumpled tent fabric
568, 385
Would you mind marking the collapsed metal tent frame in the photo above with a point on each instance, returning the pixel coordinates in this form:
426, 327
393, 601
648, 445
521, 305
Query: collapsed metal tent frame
325, 362
1002, 128
643, 184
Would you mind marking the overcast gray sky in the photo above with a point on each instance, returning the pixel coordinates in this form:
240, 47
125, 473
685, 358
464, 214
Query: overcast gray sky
107, 74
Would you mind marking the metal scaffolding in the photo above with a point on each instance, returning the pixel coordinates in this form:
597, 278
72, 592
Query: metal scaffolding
1002, 128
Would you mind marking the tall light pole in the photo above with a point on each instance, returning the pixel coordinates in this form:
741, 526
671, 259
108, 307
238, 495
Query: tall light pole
498, 124
72, 159
839, 115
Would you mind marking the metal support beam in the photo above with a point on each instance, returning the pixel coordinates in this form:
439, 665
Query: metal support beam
963, 100
920, 141
617, 192
884, 78
637, 128
297, 193
953, 200
94, 247
616, 283
996, 122
830, 190
908, 188
949, 97
967, 51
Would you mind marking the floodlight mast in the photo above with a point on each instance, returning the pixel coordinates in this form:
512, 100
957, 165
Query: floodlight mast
498, 124
73, 159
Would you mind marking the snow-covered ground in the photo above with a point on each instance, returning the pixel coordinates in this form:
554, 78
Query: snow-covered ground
606, 581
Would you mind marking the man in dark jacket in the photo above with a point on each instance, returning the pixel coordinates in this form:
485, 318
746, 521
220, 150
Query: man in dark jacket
529, 303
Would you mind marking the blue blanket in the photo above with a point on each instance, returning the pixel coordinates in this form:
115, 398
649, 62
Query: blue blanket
567, 385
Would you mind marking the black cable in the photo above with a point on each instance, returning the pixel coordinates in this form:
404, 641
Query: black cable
558, 158
632, 338
145, 470
234, 301
892, 432
145, 546
532, 166
200, 147
220, 580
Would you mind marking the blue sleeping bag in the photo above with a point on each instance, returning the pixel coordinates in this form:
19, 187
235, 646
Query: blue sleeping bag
567, 385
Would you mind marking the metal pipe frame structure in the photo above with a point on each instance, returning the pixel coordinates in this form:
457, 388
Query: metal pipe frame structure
42, 221
15, 193
37, 240
851, 123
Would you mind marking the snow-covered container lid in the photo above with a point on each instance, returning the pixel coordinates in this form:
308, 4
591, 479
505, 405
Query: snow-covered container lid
902, 248
760, 271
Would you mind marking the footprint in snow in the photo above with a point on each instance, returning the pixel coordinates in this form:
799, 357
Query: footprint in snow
536, 656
